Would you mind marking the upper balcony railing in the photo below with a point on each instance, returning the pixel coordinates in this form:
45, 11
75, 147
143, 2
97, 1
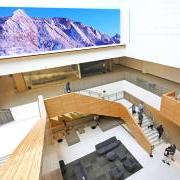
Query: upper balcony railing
147, 85
137, 80
110, 97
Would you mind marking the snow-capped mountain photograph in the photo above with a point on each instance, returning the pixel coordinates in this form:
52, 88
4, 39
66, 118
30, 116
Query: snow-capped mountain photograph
27, 31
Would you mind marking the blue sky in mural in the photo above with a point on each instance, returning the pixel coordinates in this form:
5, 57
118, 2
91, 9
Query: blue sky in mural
105, 20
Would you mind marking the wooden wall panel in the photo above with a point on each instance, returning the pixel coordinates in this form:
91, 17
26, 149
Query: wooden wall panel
19, 81
170, 108
73, 102
26, 160
158, 70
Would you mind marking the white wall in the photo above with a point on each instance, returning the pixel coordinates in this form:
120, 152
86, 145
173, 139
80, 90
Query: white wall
32, 63
155, 31
9, 66
154, 34
142, 94
12, 134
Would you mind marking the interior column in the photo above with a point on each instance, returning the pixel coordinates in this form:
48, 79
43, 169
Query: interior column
79, 71
19, 82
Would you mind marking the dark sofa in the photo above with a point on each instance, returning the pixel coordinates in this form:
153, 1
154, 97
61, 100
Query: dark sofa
80, 172
129, 165
107, 145
116, 173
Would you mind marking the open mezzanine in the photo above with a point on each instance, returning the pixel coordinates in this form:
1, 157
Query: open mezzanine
73, 151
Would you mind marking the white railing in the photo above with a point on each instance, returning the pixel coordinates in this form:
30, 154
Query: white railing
110, 97
90, 93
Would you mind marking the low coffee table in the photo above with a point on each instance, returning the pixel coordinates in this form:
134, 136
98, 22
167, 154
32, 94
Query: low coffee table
111, 156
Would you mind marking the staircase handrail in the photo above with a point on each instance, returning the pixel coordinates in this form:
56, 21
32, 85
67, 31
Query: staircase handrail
101, 95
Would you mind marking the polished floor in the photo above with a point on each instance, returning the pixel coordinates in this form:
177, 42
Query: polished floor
151, 166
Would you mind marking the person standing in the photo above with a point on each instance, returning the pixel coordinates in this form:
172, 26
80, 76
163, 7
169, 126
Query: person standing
133, 109
140, 118
172, 151
160, 130
141, 107
178, 97
67, 87
166, 158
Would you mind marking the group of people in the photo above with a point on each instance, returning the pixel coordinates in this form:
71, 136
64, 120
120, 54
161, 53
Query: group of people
170, 150
140, 112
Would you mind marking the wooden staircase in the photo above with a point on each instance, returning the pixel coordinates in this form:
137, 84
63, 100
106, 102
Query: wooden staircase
58, 106
57, 123
151, 134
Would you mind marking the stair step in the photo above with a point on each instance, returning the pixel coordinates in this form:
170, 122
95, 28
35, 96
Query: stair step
146, 120
150, 132
153, 136
147, 123
154, 141
147, 132
145, 117
158, 142
145, 129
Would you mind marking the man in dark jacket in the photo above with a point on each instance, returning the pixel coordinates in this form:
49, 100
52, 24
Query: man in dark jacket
133, 109
67, 88
160, 130
172, 151
141, 108
140, 118
166, 158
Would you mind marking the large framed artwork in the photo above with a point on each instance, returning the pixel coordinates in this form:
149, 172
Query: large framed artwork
32, 31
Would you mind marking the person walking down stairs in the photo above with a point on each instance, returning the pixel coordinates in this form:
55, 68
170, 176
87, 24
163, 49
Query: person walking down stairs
160, 130
133, 109
141, 108
140, 118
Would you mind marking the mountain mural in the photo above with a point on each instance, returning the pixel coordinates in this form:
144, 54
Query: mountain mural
22, 34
